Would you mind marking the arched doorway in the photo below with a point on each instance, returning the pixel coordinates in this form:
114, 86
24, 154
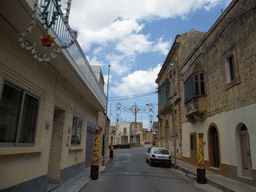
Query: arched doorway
245, 152
213, 137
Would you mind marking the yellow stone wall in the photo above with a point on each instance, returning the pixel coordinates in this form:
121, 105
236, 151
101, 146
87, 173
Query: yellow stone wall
226, 103
20, 164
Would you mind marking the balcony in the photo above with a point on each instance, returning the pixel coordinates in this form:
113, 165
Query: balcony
195, 109
164, 97
71, 63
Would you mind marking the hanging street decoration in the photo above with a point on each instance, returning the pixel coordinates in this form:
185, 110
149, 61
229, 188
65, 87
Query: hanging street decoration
50, 13
149, 109
45, 13
118, 110
47, 40
135, 111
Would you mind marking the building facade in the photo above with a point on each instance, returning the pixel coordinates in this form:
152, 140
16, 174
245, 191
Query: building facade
125, 133
182, 46
136, 132
46, 108
120, 133
219, 97
103, 123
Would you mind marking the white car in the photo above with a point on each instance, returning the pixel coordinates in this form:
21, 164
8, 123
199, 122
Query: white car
158, 155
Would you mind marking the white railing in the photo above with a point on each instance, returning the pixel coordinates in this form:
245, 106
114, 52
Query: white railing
76, 53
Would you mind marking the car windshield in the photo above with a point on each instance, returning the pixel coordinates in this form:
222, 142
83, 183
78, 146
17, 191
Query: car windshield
161, 151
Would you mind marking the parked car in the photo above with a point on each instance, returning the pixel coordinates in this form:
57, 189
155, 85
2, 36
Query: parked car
158, 155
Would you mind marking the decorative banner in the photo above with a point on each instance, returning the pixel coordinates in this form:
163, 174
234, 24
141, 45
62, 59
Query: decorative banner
201, 164
135, 111
150, 121
96, 149
156, 144
135, 118
50, 13
111, 145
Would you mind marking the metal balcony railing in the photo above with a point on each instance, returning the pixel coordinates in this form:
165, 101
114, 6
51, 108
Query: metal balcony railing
75, 52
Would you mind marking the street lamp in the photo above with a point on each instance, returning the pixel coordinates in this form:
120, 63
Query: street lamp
106, 118
173, 112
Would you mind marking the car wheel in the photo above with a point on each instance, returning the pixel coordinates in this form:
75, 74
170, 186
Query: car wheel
151, 162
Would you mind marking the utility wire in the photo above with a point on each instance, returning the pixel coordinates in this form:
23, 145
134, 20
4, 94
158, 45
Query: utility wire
132, 97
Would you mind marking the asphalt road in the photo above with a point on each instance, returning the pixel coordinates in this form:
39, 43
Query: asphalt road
129, 172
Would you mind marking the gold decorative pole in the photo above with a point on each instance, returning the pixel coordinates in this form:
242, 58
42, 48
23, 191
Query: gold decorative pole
95, 160
201, 166
111, 148
156, 142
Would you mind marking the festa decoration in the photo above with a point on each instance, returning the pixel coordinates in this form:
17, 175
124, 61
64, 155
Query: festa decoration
48, 20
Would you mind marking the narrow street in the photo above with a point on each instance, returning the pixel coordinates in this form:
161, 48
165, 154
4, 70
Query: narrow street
128, 171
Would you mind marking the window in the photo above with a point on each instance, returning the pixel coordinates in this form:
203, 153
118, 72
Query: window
230, 64
18, 116
76, 131
193, 142
194, 86
125, 130
161, 151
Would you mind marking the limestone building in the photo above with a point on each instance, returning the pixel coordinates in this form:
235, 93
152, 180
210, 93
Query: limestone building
182, 46
48, 110
125, 133
120, 132
136, 132
219, 100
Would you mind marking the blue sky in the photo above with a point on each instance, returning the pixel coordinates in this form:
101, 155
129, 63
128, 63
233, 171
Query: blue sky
134, 37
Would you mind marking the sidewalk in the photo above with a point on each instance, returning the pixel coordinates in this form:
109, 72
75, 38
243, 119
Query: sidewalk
76, 183
218, 181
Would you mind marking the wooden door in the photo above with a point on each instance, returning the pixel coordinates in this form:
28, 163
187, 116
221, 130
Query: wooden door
246, 154
193, 148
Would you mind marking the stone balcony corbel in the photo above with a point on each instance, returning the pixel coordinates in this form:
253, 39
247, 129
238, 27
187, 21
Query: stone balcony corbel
196, 109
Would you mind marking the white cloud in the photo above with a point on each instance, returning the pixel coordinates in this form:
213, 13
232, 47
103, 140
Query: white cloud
134, 43
138, 82
106, 82
97, 50
118, 63
100, 21
162, 46
118, 24
206, 4
94, 61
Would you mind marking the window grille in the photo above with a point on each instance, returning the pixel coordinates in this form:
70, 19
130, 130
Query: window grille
76, 131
